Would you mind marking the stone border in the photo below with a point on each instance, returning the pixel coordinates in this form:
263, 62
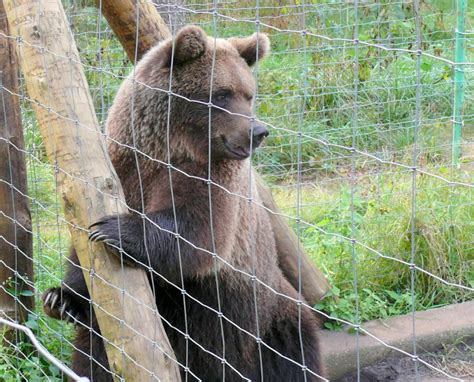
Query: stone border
434, 328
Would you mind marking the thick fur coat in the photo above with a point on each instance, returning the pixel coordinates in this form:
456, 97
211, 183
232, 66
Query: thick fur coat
257, 330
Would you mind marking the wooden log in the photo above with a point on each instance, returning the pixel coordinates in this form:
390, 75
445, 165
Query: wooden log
152, 30
16, 246
314, 284
122, 17
136, 344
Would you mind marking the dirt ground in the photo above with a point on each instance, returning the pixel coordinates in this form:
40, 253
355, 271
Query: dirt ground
456, 360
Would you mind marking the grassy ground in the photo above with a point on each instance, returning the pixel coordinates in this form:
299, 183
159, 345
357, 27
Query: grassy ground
307, 93
378, 215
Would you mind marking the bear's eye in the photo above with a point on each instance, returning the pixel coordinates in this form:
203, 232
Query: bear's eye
221, 98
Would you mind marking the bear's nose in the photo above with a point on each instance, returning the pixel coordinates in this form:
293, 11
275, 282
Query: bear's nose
259, 132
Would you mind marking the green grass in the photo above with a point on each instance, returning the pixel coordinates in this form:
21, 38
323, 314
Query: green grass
50, 247
443, 232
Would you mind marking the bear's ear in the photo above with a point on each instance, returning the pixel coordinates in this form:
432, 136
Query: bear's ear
252, 48
189, 44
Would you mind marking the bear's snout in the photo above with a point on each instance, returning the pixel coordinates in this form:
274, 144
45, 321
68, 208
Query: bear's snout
259, 132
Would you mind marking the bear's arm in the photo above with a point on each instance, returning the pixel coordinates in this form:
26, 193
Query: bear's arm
152, 241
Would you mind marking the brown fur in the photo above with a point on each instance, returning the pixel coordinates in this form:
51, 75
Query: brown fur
241, 230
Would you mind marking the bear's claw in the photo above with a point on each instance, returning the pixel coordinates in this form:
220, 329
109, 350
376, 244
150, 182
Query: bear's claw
104, 230
107, 231
97, 236
54, 299
60, 305
99, 222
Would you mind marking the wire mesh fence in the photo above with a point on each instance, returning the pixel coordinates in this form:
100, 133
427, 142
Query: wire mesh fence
369, 158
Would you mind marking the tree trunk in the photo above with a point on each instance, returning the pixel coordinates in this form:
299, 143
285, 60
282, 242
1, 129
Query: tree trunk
89, 189
122, 16
16, 262
152, 30
290, 251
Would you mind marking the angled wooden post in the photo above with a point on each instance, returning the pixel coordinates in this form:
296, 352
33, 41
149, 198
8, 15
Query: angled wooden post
314, 284
122, 16
16, 246
137, 347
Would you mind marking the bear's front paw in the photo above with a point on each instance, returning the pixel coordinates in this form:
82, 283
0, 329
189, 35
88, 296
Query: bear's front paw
107, 231
60, 305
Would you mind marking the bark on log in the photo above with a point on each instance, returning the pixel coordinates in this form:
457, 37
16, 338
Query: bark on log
122, 16
89, 189
16, 262
152, 29
314, 284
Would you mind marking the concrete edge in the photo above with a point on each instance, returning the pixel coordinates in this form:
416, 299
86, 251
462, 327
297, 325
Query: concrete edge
433, 328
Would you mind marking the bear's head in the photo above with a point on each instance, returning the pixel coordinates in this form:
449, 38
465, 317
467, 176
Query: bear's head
210, 98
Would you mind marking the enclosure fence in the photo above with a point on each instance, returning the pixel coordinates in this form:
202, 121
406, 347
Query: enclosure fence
370, 159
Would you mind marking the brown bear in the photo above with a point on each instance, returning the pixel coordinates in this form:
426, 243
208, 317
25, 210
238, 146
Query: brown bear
181, 150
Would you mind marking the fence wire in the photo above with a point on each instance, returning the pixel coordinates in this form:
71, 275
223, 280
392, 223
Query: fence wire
368, 107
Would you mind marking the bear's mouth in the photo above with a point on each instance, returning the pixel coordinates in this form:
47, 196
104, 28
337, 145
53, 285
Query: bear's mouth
236, 152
